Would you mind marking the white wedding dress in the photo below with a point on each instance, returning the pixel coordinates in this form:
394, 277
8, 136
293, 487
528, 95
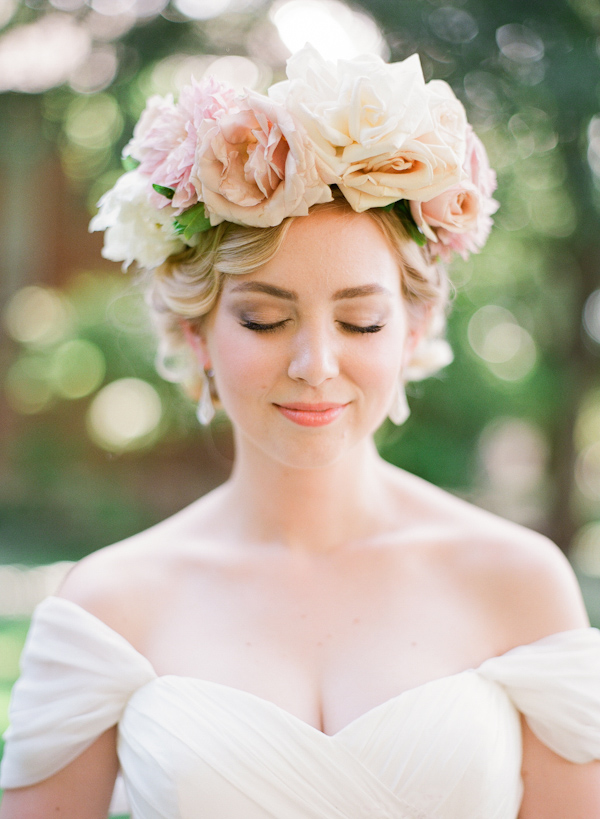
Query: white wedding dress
191, 749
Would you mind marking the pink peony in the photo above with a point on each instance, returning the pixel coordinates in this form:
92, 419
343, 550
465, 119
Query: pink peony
165, 139
255, 165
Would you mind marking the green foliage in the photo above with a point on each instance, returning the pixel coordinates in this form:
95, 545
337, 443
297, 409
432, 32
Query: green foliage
169, 193
192, 221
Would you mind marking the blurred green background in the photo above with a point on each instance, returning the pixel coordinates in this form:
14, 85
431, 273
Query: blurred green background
94, 446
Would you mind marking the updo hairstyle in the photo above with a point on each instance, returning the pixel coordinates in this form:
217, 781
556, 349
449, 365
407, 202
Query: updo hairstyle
187, 286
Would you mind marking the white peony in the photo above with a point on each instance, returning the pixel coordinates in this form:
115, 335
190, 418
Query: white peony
135, 231
380, 133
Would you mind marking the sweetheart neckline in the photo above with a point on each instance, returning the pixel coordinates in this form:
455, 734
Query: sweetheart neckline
269, 704
243, 692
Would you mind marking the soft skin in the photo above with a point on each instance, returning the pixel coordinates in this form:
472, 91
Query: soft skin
319, 577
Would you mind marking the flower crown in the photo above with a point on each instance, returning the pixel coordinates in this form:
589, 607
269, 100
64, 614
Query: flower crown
377, 131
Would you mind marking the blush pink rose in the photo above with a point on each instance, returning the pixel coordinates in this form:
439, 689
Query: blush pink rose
165, 138
477, 165
255, 165
456, 210
459, 219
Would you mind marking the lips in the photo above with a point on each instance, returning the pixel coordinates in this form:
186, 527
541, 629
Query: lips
311, 415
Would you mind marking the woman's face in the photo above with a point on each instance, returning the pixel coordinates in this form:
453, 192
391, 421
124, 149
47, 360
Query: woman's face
307, 350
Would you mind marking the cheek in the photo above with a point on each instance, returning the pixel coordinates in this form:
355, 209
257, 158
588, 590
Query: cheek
377, 362
243, 363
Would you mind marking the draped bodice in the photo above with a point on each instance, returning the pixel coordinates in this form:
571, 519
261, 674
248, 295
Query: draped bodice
193, 749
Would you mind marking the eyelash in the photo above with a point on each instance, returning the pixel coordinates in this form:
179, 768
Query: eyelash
257, 327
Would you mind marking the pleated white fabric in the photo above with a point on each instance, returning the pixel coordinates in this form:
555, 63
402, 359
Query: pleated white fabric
192, 749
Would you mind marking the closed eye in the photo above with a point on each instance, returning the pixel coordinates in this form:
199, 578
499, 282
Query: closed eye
259, 327
355, 328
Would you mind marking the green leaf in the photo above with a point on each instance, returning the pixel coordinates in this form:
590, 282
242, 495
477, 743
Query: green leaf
168, 192
191, 221
129, 163
402, 208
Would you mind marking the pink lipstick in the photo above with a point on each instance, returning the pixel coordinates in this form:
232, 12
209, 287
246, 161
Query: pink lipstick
311, 415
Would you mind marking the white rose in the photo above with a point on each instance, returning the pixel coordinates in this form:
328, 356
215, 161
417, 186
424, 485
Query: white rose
379, 132
135, 231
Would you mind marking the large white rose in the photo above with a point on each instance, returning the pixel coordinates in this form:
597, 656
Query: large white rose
135, 231
380, 133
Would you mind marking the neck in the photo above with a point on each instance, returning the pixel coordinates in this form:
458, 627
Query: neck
312, 509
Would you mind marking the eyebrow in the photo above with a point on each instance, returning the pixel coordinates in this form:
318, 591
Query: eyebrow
289, 295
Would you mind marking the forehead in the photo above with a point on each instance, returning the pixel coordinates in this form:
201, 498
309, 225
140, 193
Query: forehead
329, 251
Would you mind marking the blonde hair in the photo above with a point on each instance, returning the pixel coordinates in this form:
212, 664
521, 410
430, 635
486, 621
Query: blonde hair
187, 286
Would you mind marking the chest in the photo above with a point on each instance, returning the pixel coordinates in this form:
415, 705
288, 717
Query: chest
325, 641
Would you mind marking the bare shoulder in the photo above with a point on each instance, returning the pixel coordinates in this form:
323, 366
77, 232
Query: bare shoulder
128, 584
115, 583
134, 573
517, 577
525, 581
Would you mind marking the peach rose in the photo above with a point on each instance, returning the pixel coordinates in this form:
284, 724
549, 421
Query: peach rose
255, 165
420, 169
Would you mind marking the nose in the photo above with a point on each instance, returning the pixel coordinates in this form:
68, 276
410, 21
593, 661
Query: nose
314, 357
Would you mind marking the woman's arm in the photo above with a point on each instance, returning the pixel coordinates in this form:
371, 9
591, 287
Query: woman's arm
554, 787
81, 790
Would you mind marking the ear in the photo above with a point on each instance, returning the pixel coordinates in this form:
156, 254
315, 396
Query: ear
197, 342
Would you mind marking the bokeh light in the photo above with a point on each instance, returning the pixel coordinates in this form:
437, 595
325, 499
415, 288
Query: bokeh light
124, 415
26, 385
172, 73
514, 453
593, 153
335, 30
97, 72
104, 27
94, 122
77, 368
453, 25
587, 472
38, 316
43, 54
586, 549
67, 5
587, 426
202, 9
140, 8
519, 43
239, 72
591, 316
496, 336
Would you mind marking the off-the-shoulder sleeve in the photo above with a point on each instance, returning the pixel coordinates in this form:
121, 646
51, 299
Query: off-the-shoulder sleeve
555, 683
77, 675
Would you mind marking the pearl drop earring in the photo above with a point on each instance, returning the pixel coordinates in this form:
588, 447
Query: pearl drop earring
205, 410
399, 411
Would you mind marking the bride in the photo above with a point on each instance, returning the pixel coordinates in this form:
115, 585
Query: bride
325, 636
